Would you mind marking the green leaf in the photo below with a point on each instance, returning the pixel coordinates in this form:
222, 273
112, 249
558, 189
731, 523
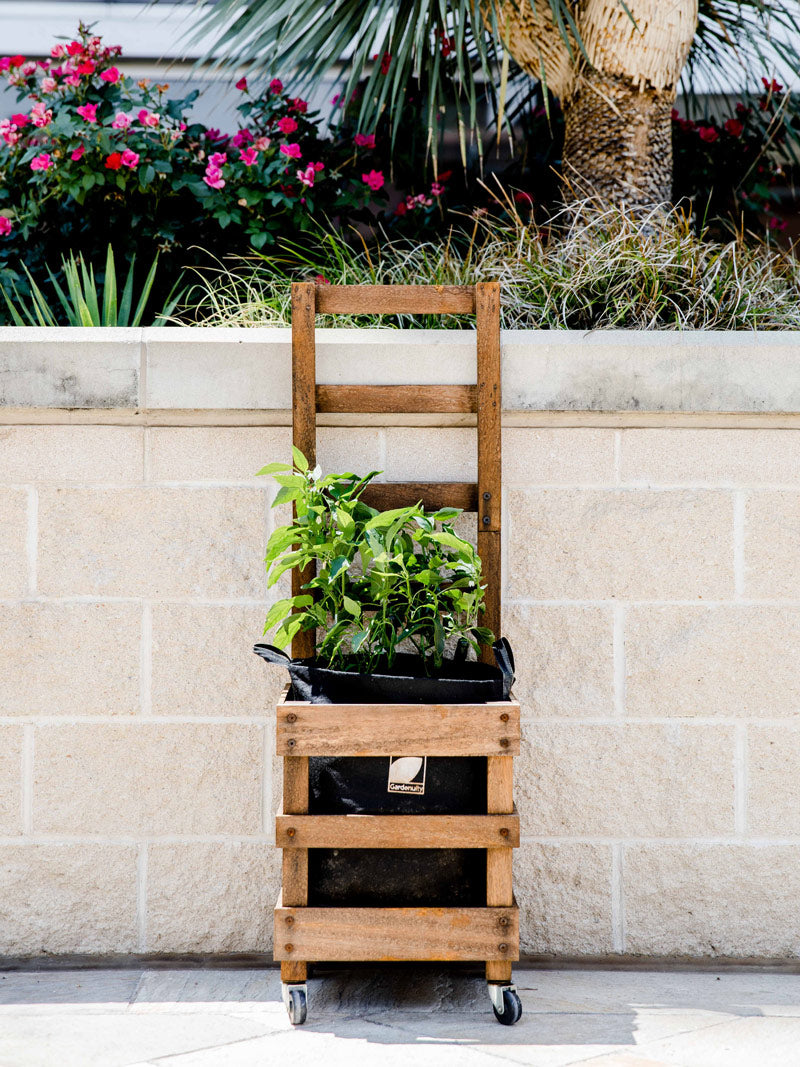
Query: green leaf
300, 460
352, 606
286, 494
272, 468
341, 563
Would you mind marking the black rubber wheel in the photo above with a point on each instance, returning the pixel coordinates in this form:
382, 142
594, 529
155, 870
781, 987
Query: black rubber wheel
297, 1007
512, 1008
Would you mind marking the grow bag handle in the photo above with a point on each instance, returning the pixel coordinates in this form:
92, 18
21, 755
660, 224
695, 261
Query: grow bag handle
505, 661
272, 654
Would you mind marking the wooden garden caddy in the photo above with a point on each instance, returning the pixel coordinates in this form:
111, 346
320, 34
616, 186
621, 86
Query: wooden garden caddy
489, 933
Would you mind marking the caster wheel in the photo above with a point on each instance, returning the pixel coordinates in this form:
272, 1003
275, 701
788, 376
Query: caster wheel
507, 1005
296, 1000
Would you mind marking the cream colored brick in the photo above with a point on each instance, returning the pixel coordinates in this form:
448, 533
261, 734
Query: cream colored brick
160, 778
712, 900
773, 766
627, 780
772, 545
556, 456
203, 662
11, 780
583, 543
426, 454
564, 659
211, 897
730, 660
71, 453
234, 454
57, 899
13, 542
152, 542
564, 894
710, 457
70, 659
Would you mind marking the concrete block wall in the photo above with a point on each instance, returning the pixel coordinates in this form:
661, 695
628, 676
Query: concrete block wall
651, 595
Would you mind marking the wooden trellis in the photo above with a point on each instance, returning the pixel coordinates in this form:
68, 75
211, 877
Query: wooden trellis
489, 933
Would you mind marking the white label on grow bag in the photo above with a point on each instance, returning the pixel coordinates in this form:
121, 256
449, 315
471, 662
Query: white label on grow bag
407, 774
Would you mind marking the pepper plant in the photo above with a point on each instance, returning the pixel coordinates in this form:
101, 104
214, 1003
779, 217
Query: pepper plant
382, 577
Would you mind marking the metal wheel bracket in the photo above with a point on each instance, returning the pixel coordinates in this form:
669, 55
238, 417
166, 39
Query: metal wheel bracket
286, 991
496, 994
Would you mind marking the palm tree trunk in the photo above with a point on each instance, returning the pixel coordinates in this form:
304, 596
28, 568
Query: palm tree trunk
618, 142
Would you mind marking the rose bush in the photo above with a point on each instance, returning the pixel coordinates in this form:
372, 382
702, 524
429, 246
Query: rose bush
92, 156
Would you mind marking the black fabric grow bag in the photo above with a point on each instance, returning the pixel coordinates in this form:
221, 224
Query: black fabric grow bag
361, 785
405, 682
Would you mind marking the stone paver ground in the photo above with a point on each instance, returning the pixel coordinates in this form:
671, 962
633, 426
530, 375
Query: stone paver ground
398, 1016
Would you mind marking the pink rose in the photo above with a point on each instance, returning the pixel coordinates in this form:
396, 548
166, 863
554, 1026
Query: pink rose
364, 140
242, 84
262, 143
130, 159
40, 115
42, 162
307, 176
276, 86
242, 138
88, 112
287, 125
217, 159
49, 85
9, 132
6, 226
214, 179
291, 150
72, 79
148, 118
374, 179
121, 121
248, 156
78, 153
57, 51
112, 76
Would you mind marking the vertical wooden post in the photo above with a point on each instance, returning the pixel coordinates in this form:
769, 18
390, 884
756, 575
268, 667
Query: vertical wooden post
499, 884
304, 437
487, 318
304, 415
295, 860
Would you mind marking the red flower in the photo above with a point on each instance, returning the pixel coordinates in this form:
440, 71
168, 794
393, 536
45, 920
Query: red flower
708, 134
74, 48
114, 161
386, 60
734, 127
276, 86
287, 125
374, 179
20, 121
242, 84
771, 86
364, 140
86, 67
448, 44
445, 176
16, 61
401, 209
299, 105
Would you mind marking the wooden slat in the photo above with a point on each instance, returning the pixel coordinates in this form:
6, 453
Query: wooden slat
487, 313
295, 801
499, 877
490, 552
386, 495
397, 831
396, 933
396, 299
396, 398
388, 729
304, 416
